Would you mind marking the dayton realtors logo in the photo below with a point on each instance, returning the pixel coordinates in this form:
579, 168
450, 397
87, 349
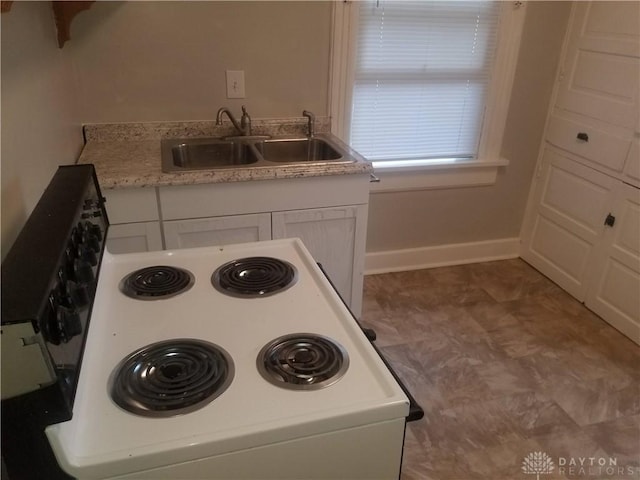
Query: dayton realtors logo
537, 463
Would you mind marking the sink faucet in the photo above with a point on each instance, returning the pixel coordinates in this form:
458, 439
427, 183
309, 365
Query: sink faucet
312, 121
244, 127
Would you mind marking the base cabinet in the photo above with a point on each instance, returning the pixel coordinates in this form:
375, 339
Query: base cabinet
134, 220
582, 226
571, 203
614, 293
336, 238
583, 232
134, 237
202, 232
329, 215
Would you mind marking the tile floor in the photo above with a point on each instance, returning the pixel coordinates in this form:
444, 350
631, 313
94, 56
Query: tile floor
505, 363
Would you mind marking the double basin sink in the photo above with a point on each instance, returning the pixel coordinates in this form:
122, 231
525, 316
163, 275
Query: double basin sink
187, 154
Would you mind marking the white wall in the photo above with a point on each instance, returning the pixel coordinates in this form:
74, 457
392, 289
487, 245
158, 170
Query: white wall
145, 61
448, 216
40, 122
159, 61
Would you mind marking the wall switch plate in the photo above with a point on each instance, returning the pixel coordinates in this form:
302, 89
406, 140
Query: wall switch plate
235, 83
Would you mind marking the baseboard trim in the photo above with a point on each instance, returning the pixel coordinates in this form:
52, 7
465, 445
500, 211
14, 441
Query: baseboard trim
441, 255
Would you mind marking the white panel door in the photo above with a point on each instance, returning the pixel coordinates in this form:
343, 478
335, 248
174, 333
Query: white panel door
204, 232
134, 237
334, 238
600, 77
614, 293
571, 203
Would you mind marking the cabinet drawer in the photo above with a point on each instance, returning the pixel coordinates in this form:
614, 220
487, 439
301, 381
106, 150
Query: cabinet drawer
589, 142
129, 205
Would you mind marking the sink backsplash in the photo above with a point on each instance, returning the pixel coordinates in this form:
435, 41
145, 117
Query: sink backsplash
110, 132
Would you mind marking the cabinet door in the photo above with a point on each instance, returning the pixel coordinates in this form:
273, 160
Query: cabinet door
614, 292
632, 164
600, 77
336, 239
134, 237
131, 205
204, 232
566, 222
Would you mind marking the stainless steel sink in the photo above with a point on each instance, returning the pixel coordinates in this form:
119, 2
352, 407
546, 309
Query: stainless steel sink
188, 154
205, 153
298, 150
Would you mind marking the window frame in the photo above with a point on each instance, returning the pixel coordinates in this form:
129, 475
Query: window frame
433, 173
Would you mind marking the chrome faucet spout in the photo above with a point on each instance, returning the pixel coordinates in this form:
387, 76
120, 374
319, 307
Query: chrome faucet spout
243, 128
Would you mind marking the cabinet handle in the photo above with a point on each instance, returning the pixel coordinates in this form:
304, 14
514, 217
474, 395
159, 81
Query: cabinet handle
610, 220
583, 136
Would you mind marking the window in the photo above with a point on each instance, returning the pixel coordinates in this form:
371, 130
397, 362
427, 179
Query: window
424, 85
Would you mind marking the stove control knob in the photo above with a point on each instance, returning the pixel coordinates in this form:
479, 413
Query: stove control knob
78, 293
82, 271
96, 213
90, 241
68, 323
76, 234
90, 204
62, 321
88, 254
49, 326
94, 230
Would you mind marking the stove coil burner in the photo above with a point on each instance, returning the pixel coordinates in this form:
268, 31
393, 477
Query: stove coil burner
171, 378
253, 277
302, 361
152, 283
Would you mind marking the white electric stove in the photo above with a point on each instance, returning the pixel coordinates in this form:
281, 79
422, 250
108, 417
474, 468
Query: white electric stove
341, 414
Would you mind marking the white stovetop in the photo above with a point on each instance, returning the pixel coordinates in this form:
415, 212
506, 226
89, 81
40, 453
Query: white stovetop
101, 437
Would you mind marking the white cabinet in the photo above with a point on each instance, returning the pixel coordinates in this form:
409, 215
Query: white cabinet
615, 290
329, 214
134, 220
582, 226
600, 73
571, 203
598, 145
583, 232
632, 165
202, 232
336, 239
134, 237
596, 110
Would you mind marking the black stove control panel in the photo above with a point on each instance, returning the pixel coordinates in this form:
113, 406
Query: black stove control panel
49, 280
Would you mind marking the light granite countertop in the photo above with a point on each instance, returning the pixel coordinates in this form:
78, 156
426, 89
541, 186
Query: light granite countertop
128, 154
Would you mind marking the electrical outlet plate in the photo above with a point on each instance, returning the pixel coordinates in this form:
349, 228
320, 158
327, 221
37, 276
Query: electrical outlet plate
235, 83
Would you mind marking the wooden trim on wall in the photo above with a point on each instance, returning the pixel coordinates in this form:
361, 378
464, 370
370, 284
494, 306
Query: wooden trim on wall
441, 255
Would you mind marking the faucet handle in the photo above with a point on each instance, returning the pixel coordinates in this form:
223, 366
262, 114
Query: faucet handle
311, 121
245, 122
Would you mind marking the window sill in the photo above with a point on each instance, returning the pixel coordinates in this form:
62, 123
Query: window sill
433, 176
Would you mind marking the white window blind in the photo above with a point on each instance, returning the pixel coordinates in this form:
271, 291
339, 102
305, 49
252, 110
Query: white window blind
421, 78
